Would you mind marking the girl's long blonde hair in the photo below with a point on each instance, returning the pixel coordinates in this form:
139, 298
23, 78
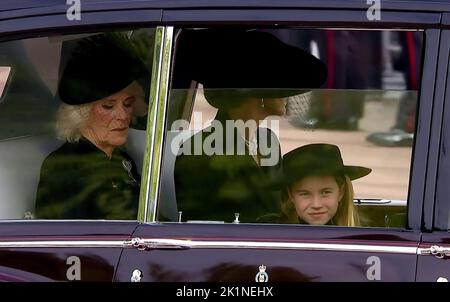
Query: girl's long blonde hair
346, 214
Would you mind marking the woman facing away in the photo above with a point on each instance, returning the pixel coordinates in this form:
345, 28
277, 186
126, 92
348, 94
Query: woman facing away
318, 186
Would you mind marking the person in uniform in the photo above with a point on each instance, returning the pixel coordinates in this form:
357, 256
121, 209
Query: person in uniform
246, 75
90, 176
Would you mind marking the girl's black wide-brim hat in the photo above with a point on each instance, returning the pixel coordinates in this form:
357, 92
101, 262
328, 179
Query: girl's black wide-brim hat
236, 63
317, 160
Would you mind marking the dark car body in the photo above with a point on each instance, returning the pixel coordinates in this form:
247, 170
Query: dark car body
41, 250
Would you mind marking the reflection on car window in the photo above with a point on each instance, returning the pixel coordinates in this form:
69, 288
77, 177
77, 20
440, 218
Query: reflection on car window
5, 73
356, 90
72, 107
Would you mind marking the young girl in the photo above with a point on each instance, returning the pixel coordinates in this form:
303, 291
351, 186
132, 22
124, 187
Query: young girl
318, 188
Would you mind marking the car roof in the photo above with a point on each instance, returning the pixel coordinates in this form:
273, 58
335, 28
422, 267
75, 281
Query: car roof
412, 5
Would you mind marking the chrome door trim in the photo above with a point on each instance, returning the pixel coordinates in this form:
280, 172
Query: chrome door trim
160, 123
155, 122
161, 243
63, 244
157, 243
151, 124
438, 251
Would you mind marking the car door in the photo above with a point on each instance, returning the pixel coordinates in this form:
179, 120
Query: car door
433, 263
55, 249
171, 247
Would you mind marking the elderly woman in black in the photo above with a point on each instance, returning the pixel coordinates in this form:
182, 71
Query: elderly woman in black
90, 176
247, 75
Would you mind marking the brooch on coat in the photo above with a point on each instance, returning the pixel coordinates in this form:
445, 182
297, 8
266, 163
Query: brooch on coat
128, 166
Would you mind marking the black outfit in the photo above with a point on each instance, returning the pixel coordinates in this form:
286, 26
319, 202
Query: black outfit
79, 181
351, 58
215, 187
409, 63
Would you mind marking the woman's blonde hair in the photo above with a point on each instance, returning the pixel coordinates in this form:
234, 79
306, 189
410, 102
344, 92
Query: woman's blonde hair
346, 214
70, 120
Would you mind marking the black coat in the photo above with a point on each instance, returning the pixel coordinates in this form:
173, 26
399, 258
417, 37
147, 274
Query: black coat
215, 187
78, 181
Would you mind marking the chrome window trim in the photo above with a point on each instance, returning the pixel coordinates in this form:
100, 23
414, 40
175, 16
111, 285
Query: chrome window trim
160, 123
157, 117
151, 125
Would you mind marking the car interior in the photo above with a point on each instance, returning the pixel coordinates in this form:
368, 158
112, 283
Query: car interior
27, 109
27, 112
184, 97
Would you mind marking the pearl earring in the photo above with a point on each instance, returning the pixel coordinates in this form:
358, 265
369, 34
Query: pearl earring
262, 102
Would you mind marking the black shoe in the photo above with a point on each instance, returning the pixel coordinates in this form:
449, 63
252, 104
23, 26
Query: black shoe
315, 123
394, 138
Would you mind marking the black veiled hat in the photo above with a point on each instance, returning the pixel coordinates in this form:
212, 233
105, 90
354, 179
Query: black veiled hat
318, 160
232, 64
96, 67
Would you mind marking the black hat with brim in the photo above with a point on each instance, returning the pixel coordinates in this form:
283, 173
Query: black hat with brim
317, 160
246, 63
96, 67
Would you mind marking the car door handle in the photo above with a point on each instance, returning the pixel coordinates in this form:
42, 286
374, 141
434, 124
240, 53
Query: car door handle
157, 244
436, 250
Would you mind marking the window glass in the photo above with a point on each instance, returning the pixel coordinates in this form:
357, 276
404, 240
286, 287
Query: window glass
340, 106
72, 124
5, 72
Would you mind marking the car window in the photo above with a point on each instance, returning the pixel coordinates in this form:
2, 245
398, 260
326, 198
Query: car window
340, 106
5, 72
73, 120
